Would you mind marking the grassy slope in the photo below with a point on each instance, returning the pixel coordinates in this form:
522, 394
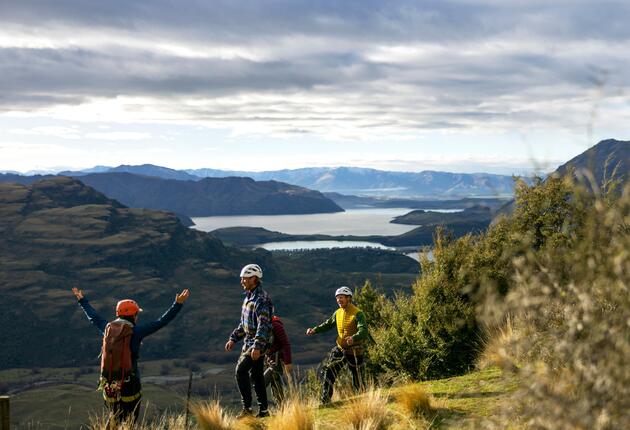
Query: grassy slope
458, 401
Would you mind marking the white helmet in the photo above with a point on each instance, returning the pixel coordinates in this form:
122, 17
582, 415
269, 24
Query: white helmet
343, 291
251, 270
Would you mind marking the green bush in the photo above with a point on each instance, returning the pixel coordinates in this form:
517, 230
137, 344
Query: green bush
571, 301
432, 332
437, 330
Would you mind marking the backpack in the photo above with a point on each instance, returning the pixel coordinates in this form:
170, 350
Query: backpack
116, 365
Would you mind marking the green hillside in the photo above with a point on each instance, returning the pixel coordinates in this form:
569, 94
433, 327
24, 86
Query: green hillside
59, 233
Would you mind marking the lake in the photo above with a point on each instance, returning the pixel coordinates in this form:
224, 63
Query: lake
360, 222
319, 244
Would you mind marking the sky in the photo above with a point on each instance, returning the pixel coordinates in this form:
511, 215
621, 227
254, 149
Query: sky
457, 85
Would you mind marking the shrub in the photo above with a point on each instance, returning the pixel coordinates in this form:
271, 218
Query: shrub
433, 332
571, 302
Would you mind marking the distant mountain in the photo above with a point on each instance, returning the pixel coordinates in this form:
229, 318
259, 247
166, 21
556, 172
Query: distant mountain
205, 197
362, 181
351, 180
95, 169
602, 160
211, 196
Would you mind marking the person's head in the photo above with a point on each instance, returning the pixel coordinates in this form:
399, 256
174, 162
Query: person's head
251, 275
343, 296
128, 309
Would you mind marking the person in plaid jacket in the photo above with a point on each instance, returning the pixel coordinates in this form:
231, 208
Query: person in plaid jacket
255, 331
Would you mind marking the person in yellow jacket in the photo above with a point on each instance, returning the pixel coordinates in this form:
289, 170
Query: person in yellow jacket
352, 332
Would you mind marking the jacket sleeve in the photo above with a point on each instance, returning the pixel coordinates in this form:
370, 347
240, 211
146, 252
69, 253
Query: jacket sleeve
99, 322
263, 329
238, 333
362, 330
280, 337
327, 325
149, 328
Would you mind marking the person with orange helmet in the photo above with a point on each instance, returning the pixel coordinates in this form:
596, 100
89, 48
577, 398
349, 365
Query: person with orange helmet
123, 397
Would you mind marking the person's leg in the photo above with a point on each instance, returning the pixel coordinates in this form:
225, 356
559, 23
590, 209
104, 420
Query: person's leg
257, 371
243, 367
330, 370
355, 363
131, 410
276, 386
112, 409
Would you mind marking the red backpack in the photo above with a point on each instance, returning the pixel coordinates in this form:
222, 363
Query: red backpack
116, 358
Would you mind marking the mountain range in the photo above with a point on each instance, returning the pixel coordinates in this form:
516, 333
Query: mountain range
348, 180
205, 197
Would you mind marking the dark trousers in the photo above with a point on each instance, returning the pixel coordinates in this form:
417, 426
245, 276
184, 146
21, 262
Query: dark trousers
273, 377
248, 370
122, 411
337, 360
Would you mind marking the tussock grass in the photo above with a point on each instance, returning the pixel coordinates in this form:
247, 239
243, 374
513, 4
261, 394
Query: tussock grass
165, 422
294, 414
211, 416
369, 411
497, 341
415, 401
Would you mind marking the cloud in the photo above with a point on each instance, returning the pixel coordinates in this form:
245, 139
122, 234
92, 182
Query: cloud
340, 70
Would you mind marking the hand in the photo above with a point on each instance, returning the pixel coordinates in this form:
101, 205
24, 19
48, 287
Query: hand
349, 341
77, 293
182, 297
255, 354
310, 332
287, 368
229, 345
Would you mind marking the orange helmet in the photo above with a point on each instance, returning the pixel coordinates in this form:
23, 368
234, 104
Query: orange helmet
127, 308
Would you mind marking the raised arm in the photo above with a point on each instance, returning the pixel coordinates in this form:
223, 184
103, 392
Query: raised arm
149, 328
91, 314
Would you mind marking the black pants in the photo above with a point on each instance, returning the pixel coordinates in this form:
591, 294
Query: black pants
122, 411
273, 377
248, 370
337, 360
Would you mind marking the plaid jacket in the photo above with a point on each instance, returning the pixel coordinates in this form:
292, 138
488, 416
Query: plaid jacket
255, 326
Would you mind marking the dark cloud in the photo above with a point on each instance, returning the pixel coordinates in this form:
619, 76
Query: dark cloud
372, 63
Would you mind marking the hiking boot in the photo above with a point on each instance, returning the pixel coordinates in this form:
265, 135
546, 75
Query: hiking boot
245, 412
262, 414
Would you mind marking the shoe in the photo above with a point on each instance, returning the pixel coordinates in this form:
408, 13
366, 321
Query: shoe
262, 414
245, 412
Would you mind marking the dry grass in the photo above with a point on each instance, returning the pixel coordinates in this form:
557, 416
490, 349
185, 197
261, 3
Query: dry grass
415, 401
211, 416
369, 411
496, 346
166, 422
294, 414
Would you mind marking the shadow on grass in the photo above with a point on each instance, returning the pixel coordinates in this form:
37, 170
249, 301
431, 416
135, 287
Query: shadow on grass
468, 395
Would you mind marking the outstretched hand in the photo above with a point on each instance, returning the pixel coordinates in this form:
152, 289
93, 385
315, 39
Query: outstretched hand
182, 297
77, 293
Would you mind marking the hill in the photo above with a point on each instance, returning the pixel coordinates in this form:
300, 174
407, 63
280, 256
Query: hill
59, 233
207, 197
602, 160
422, 217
